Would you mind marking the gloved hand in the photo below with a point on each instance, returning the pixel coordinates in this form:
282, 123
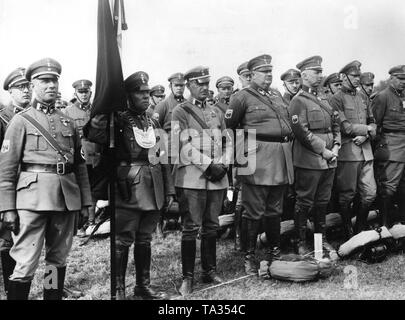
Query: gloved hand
169, 201
99, 121
11, 221
215, 172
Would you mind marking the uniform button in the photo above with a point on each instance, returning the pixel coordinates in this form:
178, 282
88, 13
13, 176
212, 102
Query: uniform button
54, 135
53, 127
51, 120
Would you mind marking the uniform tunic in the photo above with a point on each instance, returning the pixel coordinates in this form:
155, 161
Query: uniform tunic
142, 182
355, 171
269, 160
200, 199
46, 201
388, 107
316, 128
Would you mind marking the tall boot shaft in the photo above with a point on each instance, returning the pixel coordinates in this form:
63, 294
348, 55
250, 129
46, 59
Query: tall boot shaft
209, 260
121, 261
300, 222
18, 290
272, 230
188, 253
346, 214
7, 267
142, 257
361, 218
55, 293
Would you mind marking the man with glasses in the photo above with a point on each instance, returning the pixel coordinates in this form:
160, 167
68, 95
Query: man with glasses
292, 84
388, 108
245, 76
315, 150
20, 92
262, 114
80, 111
200, 176
355, 173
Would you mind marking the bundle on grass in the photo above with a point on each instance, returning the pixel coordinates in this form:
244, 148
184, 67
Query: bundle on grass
296, 268
371, 245
398, 233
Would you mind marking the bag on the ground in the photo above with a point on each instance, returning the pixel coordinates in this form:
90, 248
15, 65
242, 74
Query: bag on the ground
372, 245
398, 233
296, 268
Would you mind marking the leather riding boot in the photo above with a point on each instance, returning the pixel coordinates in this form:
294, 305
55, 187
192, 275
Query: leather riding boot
300, 220
142, 256
385, 211
401, 209
320, 227
121, 261
251, 228
208, 260
55, 293
345, 213
188, 251
18, 290
272, 231
238, 213
7, 266
361, 218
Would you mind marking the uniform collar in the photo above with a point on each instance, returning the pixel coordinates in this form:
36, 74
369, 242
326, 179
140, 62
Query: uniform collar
45, 108
396, 92
199, 103
310, 90
84, 107
179, 99
254, 86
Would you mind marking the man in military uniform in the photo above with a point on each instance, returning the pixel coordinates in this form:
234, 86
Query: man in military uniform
144, 184
211, 98
200, 175
20, 92
245, 76
315, 150
269, 168
157, 94
225, 89
80, 112
355, 173
44, 183
388, 108
366, 87
332, 84
292, 84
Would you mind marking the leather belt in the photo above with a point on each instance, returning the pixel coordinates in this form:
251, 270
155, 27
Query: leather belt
134, 163
266, 138
60, 168
325, 131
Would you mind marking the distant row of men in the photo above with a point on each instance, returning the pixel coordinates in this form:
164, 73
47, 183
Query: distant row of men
322, 132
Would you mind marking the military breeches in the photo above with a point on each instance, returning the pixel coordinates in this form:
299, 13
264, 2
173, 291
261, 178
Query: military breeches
135, 226
200, 209
356, 177
55, 228
390, 178
262, 201
313, 187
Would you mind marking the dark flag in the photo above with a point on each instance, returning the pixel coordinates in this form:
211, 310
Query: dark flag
109, 98
110, 92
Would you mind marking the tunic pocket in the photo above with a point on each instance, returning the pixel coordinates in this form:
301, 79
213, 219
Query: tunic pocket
26, 180
36, 142
68, 139
316, 119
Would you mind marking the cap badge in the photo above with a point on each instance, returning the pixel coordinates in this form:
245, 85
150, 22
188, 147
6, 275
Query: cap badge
295, 119
143, 78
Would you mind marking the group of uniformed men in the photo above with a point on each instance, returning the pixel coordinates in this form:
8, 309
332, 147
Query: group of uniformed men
324, 133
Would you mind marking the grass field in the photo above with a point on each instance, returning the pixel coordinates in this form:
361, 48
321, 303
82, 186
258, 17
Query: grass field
88, 271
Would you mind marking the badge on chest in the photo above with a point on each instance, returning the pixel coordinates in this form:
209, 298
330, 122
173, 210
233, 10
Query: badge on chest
145, 139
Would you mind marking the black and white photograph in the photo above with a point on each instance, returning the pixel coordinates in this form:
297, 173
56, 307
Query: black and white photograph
202, 154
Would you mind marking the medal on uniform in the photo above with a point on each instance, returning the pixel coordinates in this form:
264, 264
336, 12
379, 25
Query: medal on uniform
145, 139
403, 104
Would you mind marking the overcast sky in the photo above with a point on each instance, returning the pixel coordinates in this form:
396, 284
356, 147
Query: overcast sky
167, 36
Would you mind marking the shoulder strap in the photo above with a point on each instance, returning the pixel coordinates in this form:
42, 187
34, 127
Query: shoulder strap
195, 116
4, 119
268, 103
319, 103
52, 142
